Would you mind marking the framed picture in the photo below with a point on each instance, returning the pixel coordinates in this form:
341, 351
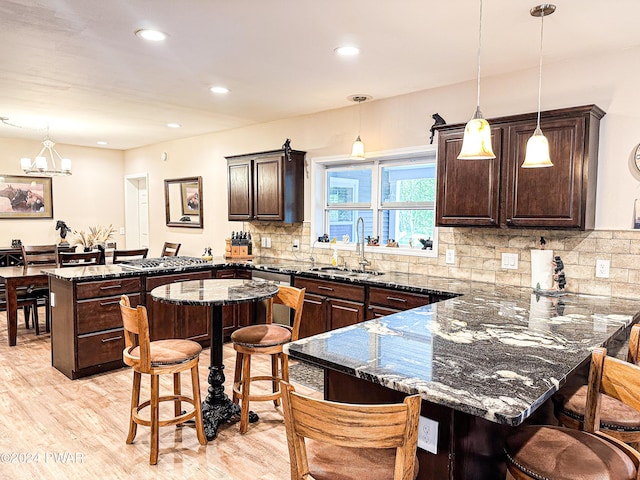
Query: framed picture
190, 198
25, 197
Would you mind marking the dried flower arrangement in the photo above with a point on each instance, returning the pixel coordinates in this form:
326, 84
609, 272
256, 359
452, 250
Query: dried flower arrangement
97, 235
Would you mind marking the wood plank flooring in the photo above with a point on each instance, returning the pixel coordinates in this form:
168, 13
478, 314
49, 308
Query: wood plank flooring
53, 427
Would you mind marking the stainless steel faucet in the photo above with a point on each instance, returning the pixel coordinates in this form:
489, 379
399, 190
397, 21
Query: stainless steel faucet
360, 243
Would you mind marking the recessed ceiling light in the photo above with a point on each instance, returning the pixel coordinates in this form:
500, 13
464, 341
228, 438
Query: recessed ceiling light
347, 51
101, 142
152, 35
174, 125
219, 89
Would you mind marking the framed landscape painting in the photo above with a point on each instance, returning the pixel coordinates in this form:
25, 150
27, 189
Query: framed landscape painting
25, 197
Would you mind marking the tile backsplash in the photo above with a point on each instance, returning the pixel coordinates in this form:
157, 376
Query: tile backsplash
478, 254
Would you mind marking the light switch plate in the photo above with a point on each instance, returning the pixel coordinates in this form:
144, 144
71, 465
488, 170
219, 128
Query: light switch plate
428, 434
450, 256
510, 261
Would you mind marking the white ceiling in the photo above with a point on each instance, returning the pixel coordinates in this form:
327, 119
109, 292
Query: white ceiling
77, 66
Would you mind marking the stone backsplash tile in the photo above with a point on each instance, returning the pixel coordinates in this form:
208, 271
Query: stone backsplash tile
478, 253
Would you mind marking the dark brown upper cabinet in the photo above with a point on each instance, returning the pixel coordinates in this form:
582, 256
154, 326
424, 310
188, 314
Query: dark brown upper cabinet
266, 186
499, 193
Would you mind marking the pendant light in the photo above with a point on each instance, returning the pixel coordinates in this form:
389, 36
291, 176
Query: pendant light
357, 151
476, 143
537, 154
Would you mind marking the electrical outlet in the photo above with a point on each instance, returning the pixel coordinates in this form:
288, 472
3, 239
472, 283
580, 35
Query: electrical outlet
602, 268
510, 261
296, 244
450, 256
121, 230
428, 434
52, 299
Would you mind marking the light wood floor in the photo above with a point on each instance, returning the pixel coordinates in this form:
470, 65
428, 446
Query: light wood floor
77, 429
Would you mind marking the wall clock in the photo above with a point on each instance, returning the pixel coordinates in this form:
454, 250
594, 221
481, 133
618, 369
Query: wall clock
636, 158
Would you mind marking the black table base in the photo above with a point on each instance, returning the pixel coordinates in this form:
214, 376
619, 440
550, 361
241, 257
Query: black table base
218, 408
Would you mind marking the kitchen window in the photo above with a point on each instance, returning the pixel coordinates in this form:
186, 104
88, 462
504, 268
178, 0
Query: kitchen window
394, 193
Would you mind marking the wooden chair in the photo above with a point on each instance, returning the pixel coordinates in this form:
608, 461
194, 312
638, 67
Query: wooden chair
170, 249
535, 452
266, 339
120, 256
617, 419
79, 259
350, 442
45, 256
28, 303
162, 357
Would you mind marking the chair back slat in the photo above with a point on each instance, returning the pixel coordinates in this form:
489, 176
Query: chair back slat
120, 256
79, 259
350, 425
170, 249
293, 298
633, 353
40, 255
136, 333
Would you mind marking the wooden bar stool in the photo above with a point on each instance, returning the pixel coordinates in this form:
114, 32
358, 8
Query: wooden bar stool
162, 357
559, 453
616, 419
265, 339
350, 442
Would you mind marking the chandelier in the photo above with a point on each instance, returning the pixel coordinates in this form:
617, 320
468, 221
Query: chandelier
42, 165
48, 162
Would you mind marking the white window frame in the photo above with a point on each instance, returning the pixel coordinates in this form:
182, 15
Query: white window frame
318, 166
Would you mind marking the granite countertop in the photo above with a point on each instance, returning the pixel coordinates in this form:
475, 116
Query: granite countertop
214, 292
493, 351
496, 352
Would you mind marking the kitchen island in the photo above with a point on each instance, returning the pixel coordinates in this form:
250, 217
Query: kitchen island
483, 362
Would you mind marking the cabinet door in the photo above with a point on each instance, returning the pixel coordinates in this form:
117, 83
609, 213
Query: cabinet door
195, 323
268, 189
313, 319
343, 313
468, 190
240, 189
547, 197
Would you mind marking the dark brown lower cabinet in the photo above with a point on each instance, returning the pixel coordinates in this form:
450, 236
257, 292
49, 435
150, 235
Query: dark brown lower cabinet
86, 326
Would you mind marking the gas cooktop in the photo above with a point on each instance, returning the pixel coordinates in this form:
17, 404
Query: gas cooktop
161, 263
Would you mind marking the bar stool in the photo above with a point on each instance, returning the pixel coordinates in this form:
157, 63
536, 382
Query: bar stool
616, 419
350, 442
265, 339
559, 453
162, 357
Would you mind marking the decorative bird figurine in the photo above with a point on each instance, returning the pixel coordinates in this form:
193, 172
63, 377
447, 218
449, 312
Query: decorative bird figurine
438, 121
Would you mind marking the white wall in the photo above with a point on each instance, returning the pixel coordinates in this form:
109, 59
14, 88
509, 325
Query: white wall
93, 195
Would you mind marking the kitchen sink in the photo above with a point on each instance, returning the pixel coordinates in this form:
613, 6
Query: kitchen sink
345, 271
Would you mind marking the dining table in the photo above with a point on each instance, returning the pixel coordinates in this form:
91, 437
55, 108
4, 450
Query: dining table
217, 408
14, 279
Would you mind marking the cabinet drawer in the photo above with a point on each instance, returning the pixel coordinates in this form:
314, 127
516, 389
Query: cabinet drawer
331, 289
101, 313
153, 282
107, 288
100, 348
374, 311
396, 299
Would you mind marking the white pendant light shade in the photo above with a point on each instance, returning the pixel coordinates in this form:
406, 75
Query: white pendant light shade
41, 163
537, 154
476, 143
357, 151
25, 163
65, 164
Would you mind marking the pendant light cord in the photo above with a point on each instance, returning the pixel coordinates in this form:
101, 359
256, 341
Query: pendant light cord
540, 67
479, 48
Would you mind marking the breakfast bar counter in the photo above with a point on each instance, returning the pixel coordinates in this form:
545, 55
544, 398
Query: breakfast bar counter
483, 363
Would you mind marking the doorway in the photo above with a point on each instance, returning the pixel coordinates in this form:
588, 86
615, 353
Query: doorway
136, 216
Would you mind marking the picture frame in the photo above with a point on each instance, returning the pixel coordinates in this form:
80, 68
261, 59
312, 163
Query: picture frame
25, 197
190, 194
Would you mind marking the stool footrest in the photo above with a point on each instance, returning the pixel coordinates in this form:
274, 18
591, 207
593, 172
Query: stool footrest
167, 421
